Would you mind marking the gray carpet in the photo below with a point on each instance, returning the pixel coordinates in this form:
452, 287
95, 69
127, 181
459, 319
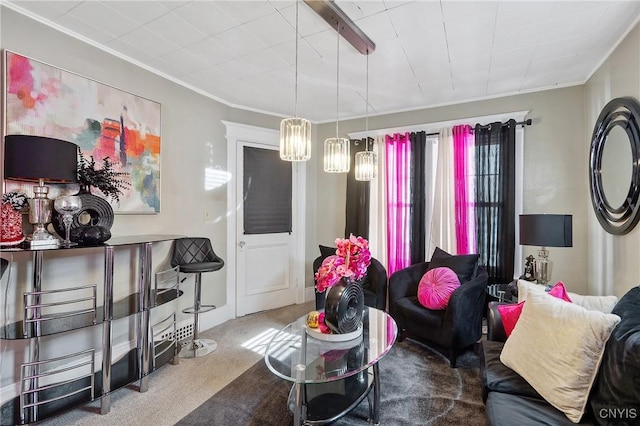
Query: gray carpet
417, 388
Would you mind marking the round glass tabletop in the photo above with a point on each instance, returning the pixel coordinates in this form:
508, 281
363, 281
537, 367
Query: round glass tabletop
294, 355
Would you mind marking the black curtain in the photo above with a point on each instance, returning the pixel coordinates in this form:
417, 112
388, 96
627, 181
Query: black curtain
357, 209
417, 194
495, 198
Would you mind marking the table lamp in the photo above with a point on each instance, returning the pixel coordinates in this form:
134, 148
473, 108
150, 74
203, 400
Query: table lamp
40, 159
545, 230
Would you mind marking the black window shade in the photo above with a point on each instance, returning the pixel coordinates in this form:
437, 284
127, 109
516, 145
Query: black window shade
266, 192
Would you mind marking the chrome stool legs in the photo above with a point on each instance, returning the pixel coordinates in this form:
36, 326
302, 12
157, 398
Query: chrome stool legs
197, 347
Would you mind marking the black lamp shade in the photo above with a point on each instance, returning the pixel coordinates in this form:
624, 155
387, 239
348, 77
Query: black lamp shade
546, 230
30, 158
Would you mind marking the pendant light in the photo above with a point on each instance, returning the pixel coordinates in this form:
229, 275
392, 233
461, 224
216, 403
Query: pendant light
295, 132
366, 161
337, 157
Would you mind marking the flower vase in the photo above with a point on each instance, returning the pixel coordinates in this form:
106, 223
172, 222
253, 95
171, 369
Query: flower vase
344, 307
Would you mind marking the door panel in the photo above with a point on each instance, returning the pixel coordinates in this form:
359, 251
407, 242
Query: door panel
265, 265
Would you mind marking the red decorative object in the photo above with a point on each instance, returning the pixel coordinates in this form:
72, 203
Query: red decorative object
10, 226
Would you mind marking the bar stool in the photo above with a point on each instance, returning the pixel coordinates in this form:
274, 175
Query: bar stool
195, 256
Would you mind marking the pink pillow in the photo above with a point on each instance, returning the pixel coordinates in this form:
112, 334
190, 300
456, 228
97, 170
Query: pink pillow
436, 286
560, 292
511, 313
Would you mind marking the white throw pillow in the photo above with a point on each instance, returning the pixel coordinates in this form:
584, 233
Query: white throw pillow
594, 303
524, 286
557, 347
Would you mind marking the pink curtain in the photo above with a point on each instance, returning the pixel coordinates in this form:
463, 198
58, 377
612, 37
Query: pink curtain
398, 169
463, 147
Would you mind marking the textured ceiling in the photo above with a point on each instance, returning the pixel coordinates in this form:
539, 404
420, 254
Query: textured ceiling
428, 53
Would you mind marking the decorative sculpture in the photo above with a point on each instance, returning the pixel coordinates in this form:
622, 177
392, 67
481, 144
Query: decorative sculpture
528, 269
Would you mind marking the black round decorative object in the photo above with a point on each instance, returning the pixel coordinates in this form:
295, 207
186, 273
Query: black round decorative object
344, 307
89, 235
99, 213
617, 213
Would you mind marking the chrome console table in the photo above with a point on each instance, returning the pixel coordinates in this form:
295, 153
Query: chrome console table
48, 312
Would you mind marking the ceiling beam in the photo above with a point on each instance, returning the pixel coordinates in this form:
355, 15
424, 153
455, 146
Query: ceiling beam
337, 19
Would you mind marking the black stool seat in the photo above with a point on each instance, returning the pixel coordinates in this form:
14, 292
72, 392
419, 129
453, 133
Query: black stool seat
191, 268
195, 256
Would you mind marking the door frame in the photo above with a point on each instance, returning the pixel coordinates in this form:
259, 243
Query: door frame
236, 132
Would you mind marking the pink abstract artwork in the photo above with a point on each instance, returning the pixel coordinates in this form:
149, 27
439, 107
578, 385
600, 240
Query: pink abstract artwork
103, 121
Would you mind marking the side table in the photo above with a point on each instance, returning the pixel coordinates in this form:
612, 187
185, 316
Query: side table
331, 378
501, 293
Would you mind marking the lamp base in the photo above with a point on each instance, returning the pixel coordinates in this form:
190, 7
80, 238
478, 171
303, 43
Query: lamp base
541, 266
41, 237
40, 216
48, 243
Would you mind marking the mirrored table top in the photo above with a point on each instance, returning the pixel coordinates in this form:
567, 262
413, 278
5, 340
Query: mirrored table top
299, 357
112, 242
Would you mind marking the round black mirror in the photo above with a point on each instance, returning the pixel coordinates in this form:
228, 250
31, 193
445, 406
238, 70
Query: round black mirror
614, 162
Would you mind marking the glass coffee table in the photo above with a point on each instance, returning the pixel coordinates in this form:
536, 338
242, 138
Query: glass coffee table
331, 378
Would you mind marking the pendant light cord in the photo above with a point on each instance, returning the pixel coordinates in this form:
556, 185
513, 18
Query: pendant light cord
366, 110
337, 79
295, 96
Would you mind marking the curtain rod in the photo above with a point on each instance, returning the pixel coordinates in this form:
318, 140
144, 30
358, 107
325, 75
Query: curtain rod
526, 122
357, 141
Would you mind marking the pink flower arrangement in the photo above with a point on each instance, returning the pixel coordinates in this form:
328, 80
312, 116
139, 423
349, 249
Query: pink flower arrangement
351, 260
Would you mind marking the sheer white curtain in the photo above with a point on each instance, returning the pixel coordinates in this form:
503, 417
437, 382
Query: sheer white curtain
430, 159
378, 206
443, 223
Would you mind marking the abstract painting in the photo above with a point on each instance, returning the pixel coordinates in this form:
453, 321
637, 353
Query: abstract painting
103, 121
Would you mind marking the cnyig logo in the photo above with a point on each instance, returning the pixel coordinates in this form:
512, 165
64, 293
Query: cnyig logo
618, 413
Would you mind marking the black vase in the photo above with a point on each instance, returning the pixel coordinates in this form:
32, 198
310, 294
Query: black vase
100, 215
344, 306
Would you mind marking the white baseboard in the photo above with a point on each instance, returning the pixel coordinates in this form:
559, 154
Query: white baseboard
216, 317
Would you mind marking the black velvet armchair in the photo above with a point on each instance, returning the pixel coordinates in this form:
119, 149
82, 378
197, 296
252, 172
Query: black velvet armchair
455, 328
374, 283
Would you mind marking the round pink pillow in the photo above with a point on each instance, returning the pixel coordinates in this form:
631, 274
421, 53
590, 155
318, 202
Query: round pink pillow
436, 286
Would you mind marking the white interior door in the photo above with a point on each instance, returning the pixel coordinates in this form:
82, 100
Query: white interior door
265, 267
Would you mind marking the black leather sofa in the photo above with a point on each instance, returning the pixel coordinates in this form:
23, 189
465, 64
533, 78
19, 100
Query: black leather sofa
615, 395
457, 327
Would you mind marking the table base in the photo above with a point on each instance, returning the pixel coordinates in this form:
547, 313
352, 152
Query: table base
323, 403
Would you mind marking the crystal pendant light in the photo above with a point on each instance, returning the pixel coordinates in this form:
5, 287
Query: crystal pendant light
366, 164
366, 161
295, 132
337, 158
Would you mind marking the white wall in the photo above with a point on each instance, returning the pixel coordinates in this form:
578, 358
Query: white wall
612, 260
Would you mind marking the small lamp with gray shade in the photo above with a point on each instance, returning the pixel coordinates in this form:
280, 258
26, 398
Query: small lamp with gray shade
545, 230
40, 159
